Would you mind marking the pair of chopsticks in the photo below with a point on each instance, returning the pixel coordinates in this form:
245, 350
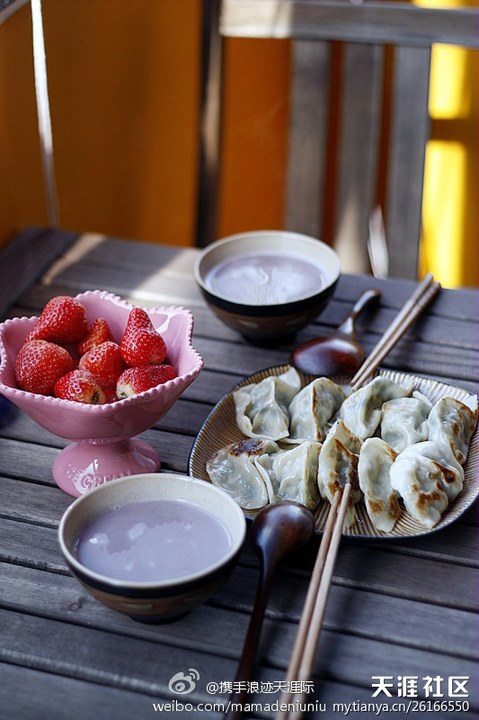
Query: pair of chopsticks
410, 311
309, 629
307, 637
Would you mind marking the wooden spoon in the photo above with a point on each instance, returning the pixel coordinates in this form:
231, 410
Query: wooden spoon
277, 530
338, 353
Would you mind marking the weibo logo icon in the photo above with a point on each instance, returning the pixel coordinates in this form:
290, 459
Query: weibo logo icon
183, 683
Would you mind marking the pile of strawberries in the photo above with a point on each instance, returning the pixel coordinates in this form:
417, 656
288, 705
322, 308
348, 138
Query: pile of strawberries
64, 357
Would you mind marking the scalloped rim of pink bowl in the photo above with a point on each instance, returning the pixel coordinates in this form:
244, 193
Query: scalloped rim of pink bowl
108, 408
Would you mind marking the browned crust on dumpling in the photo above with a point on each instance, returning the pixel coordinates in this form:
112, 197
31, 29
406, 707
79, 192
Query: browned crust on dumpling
424, 498
250, 446
376, 505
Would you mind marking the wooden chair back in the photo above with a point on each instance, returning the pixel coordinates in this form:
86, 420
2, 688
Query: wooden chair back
381, 115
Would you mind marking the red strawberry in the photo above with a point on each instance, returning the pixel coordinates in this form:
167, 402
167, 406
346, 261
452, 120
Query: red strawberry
105, 362
138, 319
141, 343
39, 364
137, 379
80, 386
110, 395
63, 320
98, 333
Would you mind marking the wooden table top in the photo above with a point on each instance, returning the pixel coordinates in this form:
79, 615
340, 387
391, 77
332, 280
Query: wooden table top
402, 614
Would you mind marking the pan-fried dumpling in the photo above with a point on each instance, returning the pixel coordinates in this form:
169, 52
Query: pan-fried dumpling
361, 411
262, 408
233, 469
337, 465
427, 476
404, 421
452, 422
312, 409
341, 432
292, 474
381, 500
453, 479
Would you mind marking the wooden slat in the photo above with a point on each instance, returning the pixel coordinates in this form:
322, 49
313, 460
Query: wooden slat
125, 662
32, 462
48, 594
54, 696
26, 257
307, 140
376, 22
138, 285
120, 253
173, 449
409, 134
91, 701
449, 303
443, 546
409, 357
456, 544
175, 266
460, 330
358, 153
358, 566
110, 659
47, 638
328, 655
207, 210
29, 503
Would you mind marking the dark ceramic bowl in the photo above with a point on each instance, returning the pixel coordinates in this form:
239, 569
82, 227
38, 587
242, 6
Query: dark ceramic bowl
277, 319
164, 600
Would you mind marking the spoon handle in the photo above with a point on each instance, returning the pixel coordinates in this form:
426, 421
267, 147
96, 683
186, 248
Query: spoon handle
368, 298
248, 654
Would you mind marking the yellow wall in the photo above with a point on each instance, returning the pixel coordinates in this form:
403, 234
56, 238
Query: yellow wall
123, 85
450, 219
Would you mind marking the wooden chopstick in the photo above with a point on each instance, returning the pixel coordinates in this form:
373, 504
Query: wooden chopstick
307, 638
312, 590
304, 651
423, 295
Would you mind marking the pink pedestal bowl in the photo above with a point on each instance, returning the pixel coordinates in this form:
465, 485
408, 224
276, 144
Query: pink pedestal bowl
104, 444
